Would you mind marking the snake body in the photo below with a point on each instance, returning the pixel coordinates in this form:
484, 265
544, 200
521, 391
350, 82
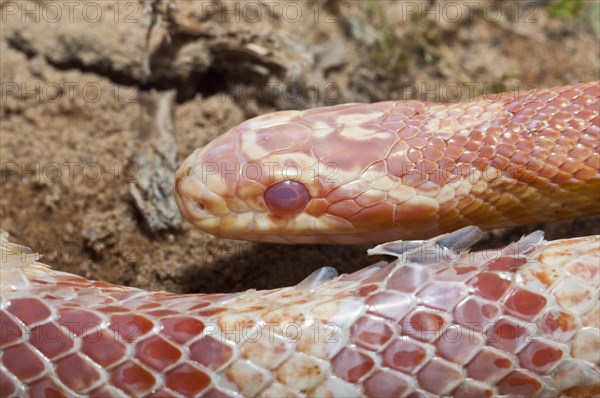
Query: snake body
400, 169
439, 320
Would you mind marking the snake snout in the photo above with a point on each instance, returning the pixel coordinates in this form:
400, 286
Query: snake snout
189, 197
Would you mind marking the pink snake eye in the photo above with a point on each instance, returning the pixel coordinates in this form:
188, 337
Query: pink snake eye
286, 197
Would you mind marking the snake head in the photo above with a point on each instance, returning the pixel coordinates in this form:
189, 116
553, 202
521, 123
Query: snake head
327, 175
289, 177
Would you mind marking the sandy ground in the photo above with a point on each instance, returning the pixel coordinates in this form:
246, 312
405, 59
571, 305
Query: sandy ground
72, 80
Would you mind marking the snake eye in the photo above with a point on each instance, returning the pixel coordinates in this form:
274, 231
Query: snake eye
286, 197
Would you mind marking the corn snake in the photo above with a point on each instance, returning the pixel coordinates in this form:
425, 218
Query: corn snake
530, 310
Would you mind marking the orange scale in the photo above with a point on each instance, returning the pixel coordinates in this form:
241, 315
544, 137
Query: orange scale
519, 121
583, 101
527, 145
540, 357
414, 178
487, 152
45, 387
12, 332
112, 309
130, 326
103, 348
316, 207
352, 365
414, 155
9, 388
385, 383
580, 152
472, 146
453, 151
416, 142
503, 121
187, 380
469, 157
281, 137
124, 295
476, 135
437, 143
547, 97
77, 373
442, 175
181, 329
160, 313
593, 161
450, 165
148, 306
132, 378
406, 132
382, 273
589, 114
457, 273
508, 334
398, 164
475, 313
365, 290
440, 377
157, 352
458, 344
524, 304
417, 121
432, 154
23, 362
370, 333
442, 295
50, 340
506, 150
394, 125
571, 165
531, 109
559, 102
458, 140
576, 124
391, 305
473, 389
79, 321
514, 106
344, 208
569, 113
380, 215
423, 325
210, 312
519, 383
210, 352
507, 263
469, 205
561, 178
426, 165
521, 157
370, 197
408, 278
490, 285
29, 310
489, 366
405, 356
574, 296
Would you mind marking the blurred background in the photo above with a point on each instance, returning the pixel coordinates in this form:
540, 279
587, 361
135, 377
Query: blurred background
100, 100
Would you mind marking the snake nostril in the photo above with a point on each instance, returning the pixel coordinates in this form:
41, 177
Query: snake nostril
199, 205
287, 197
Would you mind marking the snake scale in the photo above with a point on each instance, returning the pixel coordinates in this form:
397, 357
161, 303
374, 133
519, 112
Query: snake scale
438, 320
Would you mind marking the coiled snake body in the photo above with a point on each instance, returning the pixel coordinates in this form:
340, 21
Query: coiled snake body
519, 321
